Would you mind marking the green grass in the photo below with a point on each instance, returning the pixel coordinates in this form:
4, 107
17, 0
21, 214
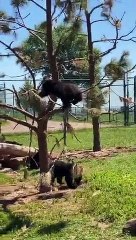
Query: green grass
110, 137
5, 179
109, 198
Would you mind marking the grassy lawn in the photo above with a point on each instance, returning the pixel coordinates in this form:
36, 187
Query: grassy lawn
107, 201
97, 212
110, 137
116, 118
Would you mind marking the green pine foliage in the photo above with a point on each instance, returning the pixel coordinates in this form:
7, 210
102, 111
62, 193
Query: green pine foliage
19, 3
116, 68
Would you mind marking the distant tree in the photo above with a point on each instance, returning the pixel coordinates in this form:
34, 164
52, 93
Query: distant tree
116, 68
68, 48
21, 93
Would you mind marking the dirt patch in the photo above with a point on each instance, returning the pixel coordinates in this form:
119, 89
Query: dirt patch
11, 127
11, 194
103, 154
23, 193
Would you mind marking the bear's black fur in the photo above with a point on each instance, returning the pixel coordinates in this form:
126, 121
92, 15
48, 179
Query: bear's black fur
32, 162
67, 92
59, 170
62, 169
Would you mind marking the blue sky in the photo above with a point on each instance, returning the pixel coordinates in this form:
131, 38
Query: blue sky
9, 67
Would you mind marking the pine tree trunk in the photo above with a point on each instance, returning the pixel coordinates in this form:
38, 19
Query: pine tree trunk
96, 134
44, 185
42, 143
91, 61
50, 51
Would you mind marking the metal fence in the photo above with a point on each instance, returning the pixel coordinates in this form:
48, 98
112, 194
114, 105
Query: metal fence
116, 110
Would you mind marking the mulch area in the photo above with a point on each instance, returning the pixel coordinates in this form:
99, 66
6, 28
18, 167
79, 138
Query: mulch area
17, 194
103, 154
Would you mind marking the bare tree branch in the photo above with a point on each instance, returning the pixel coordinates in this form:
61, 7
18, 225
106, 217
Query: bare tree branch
62, 11
96, 7
6, 55
2, 105
108, 85
17, 98
22, 60
131, 31
38, 5
37, 36
22, 25
131, 69
26, 124
56, 144
20, 15
55, 6
120, 38
113, 47
100, 20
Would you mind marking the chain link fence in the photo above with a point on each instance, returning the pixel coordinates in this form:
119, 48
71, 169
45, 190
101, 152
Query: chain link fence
116, 110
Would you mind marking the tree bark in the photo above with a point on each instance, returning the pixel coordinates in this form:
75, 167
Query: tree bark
91, 61
45, 177
42, 143
15, 150
50, 50
96, 134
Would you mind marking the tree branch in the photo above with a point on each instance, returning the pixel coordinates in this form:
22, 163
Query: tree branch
6, 55
131, 31
62, 11
26, 124
131, 69
108, 85
17, 98
22, 25
96, 7
22, 60
100, 20
121, 38
55, 6
38, 5
2, 105
113, 47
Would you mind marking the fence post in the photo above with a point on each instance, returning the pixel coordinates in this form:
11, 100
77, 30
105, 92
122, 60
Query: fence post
109, 106
135, 99
127, 108
5, 101
87, 108
126, 105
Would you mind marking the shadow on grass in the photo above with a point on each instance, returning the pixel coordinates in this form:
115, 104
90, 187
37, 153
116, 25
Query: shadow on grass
52, 228
15, 222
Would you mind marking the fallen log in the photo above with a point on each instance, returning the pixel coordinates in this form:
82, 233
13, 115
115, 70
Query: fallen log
15, 150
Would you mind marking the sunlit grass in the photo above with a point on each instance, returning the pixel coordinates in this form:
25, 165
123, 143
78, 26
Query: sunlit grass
110, 137
108, 198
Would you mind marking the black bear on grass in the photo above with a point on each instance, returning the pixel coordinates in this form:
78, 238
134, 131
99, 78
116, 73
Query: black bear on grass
59, 170
69, 170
